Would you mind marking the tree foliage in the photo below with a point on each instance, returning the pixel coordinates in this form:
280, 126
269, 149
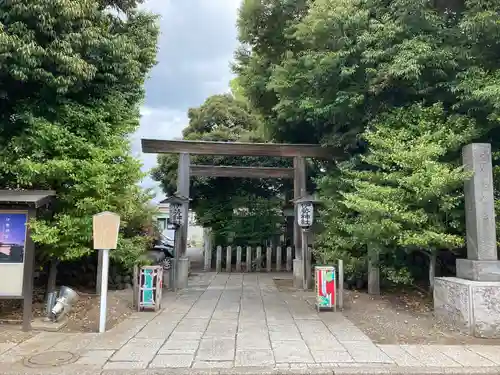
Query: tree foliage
406, 193
377, 79
71, 81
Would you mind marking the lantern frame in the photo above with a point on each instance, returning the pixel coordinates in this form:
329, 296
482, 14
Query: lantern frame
305, 202
175, 211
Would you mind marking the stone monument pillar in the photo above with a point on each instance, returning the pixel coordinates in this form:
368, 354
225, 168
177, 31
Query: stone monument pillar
472, 299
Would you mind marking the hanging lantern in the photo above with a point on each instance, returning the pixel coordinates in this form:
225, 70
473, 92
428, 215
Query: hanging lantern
305, 211
176, 209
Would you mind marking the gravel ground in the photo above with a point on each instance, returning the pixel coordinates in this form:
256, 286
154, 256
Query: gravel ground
10, 334
402, 318
397, 317
84, 316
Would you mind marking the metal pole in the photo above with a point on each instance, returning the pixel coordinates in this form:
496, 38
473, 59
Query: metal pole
340, 288
177, 250
304, 259
309, 268
104, 290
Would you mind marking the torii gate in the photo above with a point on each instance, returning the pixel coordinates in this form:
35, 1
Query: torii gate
185, 170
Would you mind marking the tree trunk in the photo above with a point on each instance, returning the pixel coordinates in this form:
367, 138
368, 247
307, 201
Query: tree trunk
373, 272
51, 282
432, 270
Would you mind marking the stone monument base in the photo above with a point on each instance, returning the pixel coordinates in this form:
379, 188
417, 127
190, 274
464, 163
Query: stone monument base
471, 306
479, 270
297, 274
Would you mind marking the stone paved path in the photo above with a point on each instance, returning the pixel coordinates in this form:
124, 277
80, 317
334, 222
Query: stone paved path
241, 321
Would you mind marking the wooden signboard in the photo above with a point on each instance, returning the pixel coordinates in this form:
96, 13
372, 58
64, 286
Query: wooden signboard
106, 226
105, 230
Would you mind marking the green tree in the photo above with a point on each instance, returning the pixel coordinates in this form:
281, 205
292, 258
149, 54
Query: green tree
320, 71
71, 82
326, 69
408, 194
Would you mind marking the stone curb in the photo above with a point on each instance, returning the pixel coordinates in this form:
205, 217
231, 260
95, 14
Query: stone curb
357, 370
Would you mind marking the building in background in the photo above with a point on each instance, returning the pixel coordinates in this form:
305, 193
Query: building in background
195, 232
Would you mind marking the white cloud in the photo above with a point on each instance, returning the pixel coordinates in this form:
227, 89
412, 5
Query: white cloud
196, 44
156, 124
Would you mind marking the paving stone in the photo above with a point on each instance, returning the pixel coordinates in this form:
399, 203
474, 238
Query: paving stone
249, 311
255, 357
296, 366
6, 346
179, 347
399, 355
130, 326
329, 365
329, 356
246, 342
322, 342
159, 327
123, 365
226, 315
363, 351
38, 344
213, 364
7, 357
109, 341
77, 343
311, 326
192, 336
142, 315
285, 335
464, 356
291, 352
95, 357
138, 350
190, 325
190, 329
347, 333
215, 349
428, 355
220, 328
282, 326
385, 366
314, 365
252, 327
487, 351
279, 319
172, 360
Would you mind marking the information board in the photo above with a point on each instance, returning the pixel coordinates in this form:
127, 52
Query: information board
12, 247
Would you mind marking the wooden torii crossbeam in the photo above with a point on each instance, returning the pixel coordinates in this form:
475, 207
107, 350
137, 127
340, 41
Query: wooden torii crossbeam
184, 148
156, 146
242, 172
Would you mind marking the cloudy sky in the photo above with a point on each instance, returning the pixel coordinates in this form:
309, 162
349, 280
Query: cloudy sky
196, 45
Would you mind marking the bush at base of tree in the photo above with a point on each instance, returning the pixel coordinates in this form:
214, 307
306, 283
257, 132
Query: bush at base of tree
405, 195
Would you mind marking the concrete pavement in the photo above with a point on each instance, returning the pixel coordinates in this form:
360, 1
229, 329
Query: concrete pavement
238, 323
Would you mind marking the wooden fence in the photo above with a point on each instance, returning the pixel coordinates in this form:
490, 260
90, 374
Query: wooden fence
258, 259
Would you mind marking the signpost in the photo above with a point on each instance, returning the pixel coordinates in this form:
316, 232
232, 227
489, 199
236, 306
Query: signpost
105, 232
325, 287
